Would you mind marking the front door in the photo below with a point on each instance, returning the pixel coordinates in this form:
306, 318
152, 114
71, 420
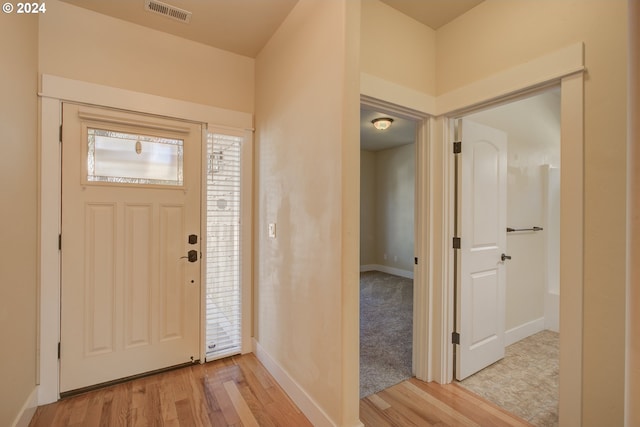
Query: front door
482, 216
130, 245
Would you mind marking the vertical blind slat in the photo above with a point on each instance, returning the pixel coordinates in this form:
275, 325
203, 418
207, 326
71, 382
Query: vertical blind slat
223, 293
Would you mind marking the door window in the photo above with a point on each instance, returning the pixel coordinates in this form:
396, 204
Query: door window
127, 158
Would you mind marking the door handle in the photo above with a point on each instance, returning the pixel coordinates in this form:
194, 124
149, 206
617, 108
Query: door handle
504, 257
192, 256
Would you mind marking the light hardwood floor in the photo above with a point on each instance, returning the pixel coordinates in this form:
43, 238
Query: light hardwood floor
238, 391
416, 403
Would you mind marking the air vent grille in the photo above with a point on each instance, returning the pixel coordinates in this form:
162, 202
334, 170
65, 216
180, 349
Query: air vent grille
167, 10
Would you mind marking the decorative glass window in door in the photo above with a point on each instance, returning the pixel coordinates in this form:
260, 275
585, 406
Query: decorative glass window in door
124, 158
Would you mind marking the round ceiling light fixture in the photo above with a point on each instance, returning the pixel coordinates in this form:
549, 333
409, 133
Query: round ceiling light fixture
382, 123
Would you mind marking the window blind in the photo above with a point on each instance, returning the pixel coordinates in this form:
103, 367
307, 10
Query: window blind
223, 290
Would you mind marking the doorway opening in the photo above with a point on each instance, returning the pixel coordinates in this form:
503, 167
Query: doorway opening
387, 248
525, 289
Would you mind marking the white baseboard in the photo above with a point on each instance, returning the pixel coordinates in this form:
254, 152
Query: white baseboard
28, 410
307, 405
386, 269
523, 331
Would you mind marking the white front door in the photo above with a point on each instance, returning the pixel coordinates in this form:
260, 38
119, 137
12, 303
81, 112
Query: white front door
481, 284
130, 201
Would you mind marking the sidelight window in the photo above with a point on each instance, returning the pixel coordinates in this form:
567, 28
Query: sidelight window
223, 281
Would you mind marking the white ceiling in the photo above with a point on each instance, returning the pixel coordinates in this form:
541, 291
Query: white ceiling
534, 121
239, 26
433, 13
401, 132
245, 26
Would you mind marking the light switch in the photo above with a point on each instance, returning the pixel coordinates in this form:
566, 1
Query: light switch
272, 230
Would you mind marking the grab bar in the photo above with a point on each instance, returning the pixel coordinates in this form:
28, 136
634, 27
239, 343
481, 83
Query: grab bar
511, 230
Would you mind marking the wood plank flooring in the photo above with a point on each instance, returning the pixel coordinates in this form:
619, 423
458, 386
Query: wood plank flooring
416, 403
239, 392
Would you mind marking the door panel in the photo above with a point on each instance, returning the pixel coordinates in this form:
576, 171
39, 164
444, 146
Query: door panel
171, 273
130, 298
481, 288
138, 280
99, 281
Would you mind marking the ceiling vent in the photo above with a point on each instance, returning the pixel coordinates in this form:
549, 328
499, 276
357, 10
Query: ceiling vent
168, 10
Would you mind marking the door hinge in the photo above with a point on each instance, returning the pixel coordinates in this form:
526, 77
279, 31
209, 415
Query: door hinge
457, 147
58, 350
455, 338
59, 242
415, 260
457, 243
60, 135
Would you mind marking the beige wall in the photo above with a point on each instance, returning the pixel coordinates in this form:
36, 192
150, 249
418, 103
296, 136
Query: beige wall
306, 278
84, 45
387, 207
395, 205
18, 252
397, 48
367, 207
500, 34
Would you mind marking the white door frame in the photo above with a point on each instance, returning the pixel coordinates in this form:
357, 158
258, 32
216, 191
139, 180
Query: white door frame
54, 90
422, 219
564, 68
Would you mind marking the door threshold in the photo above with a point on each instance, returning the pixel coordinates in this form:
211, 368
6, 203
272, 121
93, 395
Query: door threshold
78, 391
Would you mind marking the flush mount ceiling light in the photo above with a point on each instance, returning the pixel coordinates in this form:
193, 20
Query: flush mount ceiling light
382, 123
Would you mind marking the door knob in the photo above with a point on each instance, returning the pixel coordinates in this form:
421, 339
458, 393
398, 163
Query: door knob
192, 256
504, 257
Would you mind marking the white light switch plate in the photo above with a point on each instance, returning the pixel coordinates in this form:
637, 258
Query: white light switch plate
272, 230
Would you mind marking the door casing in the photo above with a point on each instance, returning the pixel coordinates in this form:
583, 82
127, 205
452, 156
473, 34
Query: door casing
55, 90
571, 238
422, 219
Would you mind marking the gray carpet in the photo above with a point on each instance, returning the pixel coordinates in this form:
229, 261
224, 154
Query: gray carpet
386, 331
525, 382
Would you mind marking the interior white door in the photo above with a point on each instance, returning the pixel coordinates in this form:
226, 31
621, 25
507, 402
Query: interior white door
130, 199
482, 216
